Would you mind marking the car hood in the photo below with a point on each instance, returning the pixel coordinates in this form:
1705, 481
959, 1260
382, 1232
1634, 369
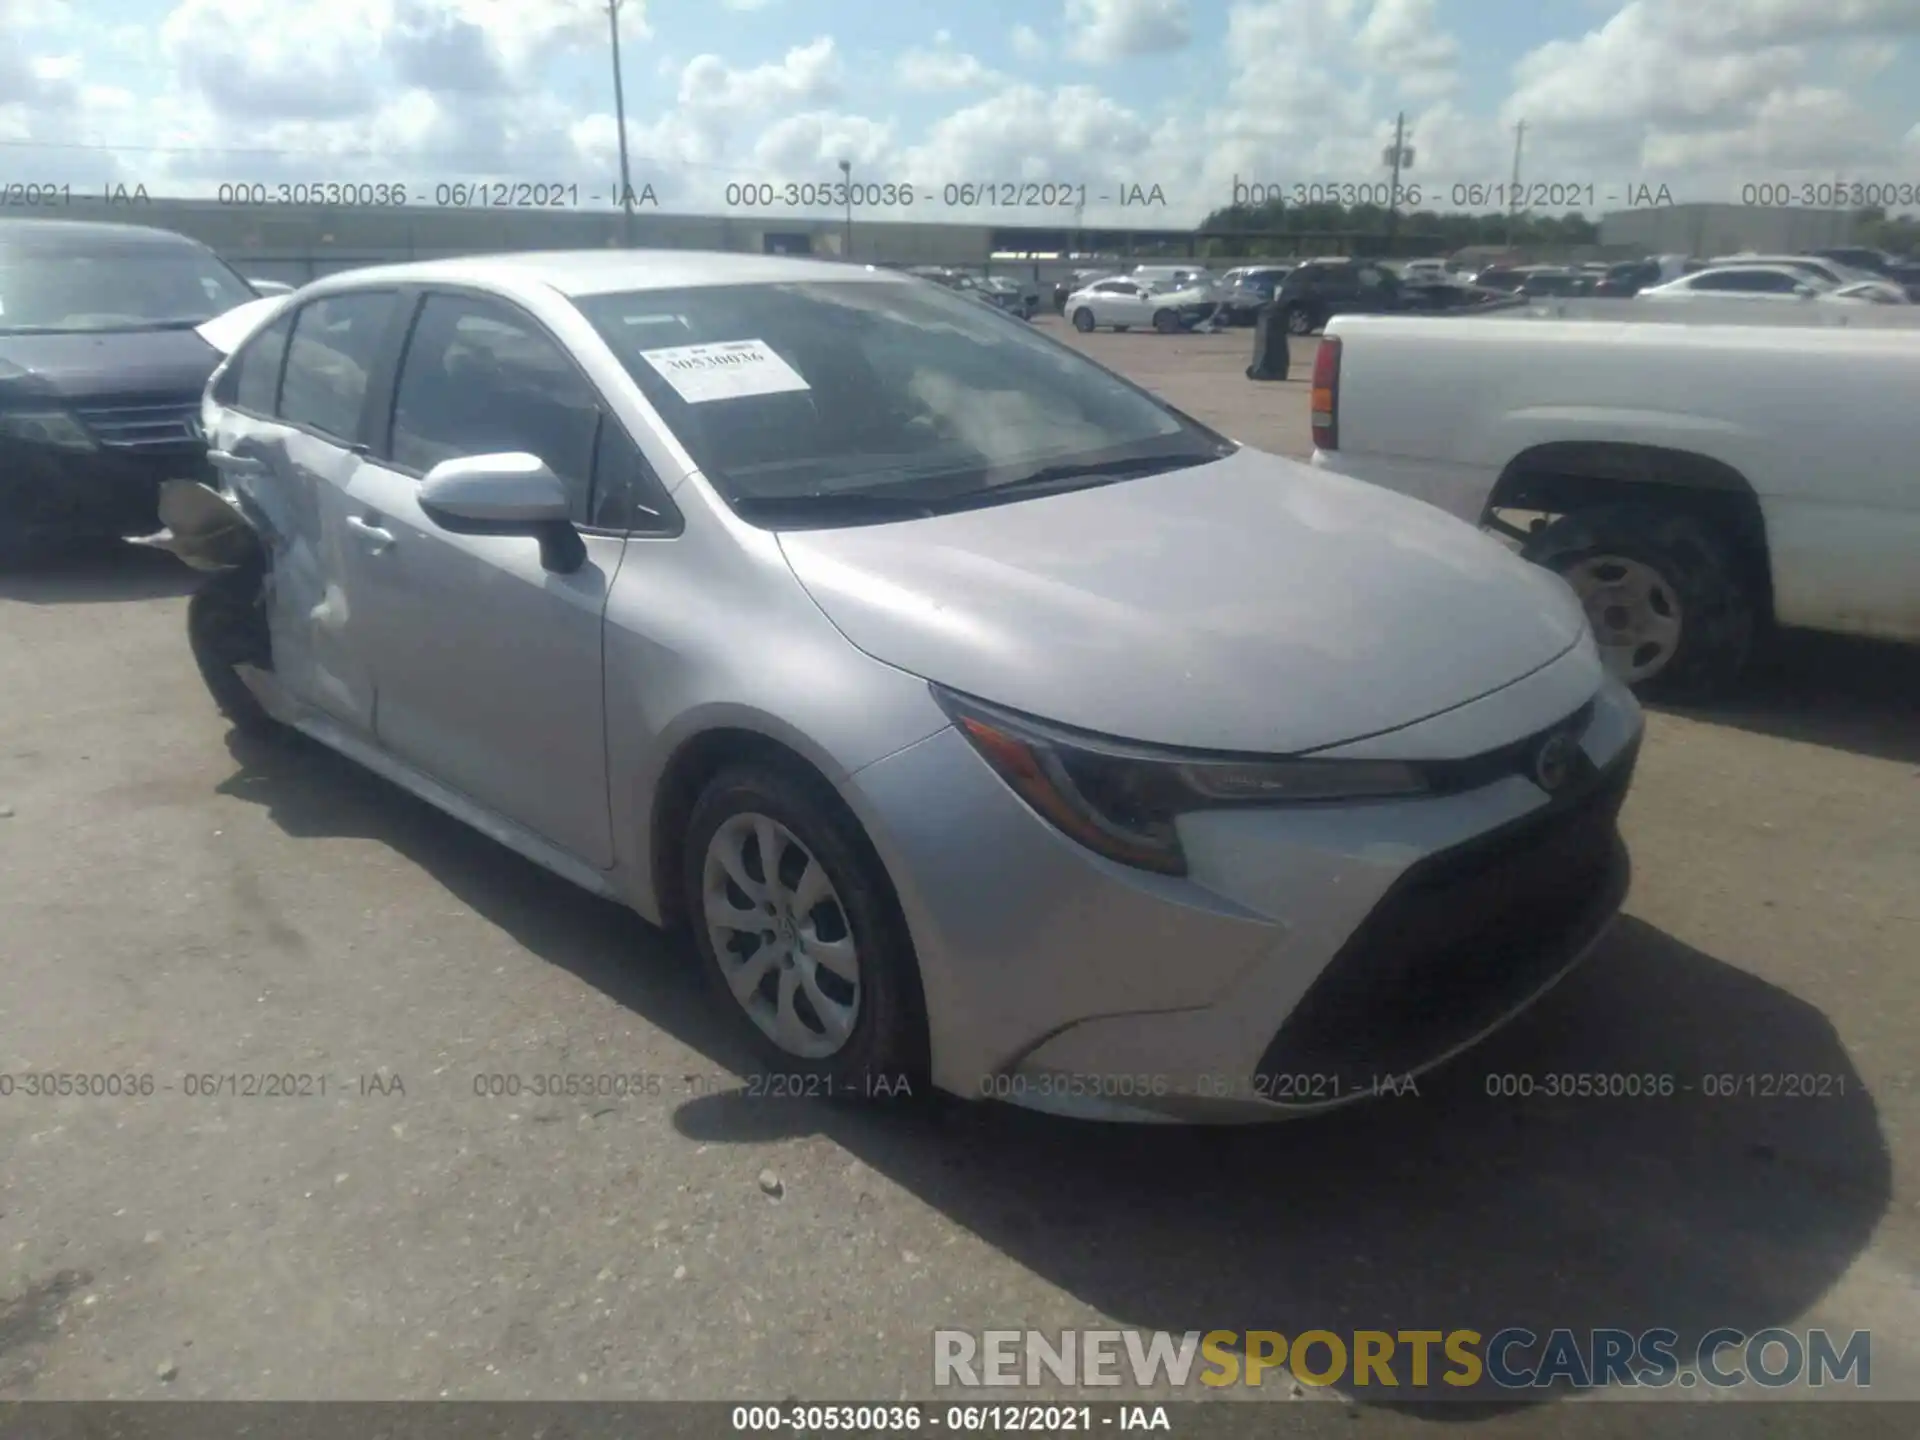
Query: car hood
1251, 604
169, 362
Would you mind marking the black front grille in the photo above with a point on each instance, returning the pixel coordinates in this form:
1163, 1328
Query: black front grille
1460, 940
146, 425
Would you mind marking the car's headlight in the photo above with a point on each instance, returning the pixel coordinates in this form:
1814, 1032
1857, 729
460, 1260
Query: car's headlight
46, 427
1121, 800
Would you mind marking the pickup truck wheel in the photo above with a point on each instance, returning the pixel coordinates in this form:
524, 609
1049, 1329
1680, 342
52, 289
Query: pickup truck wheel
1299, 320
1083, 320
1662, 592
1165, 321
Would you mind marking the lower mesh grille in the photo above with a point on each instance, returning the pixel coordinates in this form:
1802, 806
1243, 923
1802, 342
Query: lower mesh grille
1460, 940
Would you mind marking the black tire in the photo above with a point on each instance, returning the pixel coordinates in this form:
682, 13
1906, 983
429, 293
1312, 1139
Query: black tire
225, 628
1299, 320
1717, 612
1165, 321
889, 1038
1083, 320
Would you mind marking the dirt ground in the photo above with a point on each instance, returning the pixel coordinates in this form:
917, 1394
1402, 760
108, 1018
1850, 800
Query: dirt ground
175, 904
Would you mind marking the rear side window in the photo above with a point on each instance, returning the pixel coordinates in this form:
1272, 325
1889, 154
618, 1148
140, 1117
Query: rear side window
329, 357
252, 381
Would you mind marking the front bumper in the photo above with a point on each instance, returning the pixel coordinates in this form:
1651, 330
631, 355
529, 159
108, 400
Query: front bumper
55, 494
1314, 956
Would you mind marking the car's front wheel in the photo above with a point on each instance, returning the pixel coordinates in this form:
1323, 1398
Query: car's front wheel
1083, 320
1165, 321
802, 936
227, 628
1300, 320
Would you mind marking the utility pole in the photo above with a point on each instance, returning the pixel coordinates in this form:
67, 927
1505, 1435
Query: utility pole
1513, 190
1397, 157
620, 119
846, 177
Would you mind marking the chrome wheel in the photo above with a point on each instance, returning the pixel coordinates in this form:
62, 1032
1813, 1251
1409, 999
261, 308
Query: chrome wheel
1299, 322
1635, 614
781, 936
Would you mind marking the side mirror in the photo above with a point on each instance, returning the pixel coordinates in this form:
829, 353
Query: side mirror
270, 287
507, 494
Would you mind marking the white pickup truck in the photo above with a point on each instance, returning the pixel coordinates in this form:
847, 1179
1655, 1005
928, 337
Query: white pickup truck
1696, 483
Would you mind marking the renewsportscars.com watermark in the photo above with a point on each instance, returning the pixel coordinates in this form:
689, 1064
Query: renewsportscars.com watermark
1511, 1359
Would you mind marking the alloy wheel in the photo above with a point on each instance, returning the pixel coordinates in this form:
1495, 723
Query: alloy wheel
781, 936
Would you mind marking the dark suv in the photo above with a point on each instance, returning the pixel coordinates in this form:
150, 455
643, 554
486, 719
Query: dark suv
1315, 292
101, 374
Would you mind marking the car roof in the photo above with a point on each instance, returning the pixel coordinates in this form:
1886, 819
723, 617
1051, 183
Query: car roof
1771, 268
36, 231
580, 273
1788, 261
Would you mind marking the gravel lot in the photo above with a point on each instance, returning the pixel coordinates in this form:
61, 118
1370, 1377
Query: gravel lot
174, 903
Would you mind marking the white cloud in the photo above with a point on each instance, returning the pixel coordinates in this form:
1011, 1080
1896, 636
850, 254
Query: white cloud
806, 75
1692, 91
1866, 57
942, 70
1102, 31
1403, 39
1695, 93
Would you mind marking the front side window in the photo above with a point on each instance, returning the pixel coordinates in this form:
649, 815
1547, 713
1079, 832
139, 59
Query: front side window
329, 357
83, 286
799, 394
480, 379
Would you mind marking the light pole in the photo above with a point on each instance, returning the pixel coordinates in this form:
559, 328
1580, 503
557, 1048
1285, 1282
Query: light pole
620, 119
846, 176
1513, 190
1399, 157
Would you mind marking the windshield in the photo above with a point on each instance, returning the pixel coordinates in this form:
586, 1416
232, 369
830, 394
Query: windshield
803, 393
113, 287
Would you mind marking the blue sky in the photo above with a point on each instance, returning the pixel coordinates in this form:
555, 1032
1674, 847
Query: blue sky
1700, 95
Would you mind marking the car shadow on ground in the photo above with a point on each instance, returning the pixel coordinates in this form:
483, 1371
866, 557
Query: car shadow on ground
1463, 1207
107, 571
1831, 690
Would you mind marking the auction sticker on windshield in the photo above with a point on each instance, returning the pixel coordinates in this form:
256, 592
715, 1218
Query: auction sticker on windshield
724, 371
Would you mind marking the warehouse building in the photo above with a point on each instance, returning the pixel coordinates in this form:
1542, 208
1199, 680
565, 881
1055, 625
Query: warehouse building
1725, 229
295, 243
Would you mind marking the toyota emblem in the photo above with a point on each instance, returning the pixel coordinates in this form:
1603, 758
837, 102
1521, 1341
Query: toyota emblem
1553, 763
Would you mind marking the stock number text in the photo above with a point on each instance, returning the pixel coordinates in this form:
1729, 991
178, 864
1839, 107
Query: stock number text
1831, 193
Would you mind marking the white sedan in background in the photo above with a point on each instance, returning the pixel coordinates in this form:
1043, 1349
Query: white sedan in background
1125, 303
1877, 292
1748, 282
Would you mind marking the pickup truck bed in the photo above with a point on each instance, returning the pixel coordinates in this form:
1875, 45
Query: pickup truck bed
1698, 478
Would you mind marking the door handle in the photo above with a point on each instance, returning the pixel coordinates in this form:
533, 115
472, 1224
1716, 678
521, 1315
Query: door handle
378, 540
237, 464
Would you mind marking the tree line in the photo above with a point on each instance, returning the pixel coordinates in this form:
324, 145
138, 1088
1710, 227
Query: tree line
1368, 227
1449, 231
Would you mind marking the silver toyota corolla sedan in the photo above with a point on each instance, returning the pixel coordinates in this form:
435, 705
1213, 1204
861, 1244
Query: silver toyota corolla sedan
988, 722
